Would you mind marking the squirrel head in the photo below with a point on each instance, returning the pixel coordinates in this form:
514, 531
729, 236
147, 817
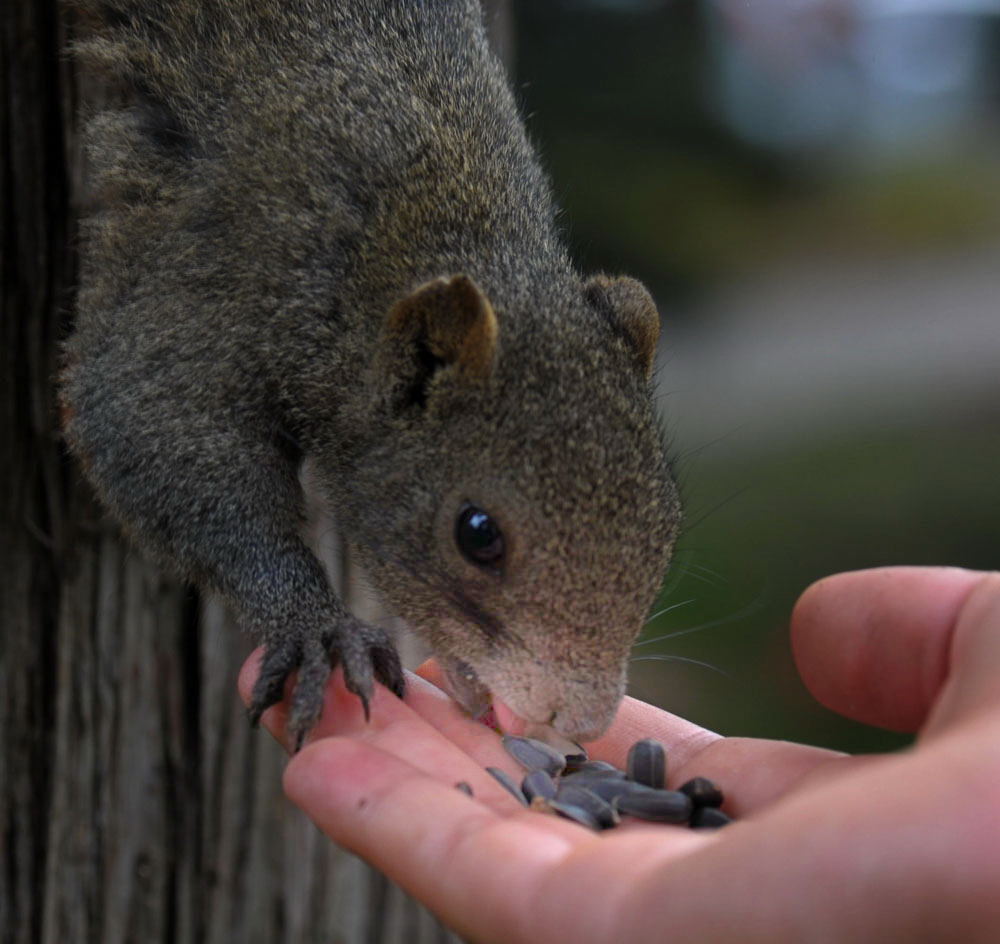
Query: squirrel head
514, 502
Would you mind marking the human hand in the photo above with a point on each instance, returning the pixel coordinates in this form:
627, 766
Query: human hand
900, 847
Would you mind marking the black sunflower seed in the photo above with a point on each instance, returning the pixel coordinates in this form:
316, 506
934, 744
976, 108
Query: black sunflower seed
647, 763
708, 817
703, 792
575, 813
595, 768
505, 781
658, 806
579, 796
575, 760
534, 755
607, 788
537, 783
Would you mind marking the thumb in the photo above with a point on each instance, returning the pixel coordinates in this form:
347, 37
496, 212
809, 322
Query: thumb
972, 685
876, 645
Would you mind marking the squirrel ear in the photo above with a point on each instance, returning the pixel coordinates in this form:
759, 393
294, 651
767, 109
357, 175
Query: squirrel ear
447, 322
630, 309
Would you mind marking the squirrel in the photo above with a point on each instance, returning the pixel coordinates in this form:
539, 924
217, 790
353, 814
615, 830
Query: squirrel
322, 233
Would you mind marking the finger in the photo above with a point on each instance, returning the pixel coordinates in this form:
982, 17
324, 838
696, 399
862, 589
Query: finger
343, 714
892, 852
507, 876
338, 703
971, 689
636, 720
496, 879
396, 727
874, 645
441, 711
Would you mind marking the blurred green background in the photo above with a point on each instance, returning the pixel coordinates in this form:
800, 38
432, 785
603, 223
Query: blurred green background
811, 188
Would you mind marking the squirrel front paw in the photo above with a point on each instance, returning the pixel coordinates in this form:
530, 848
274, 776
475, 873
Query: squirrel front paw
365, 652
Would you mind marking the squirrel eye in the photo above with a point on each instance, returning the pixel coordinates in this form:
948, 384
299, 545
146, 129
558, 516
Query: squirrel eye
479, 537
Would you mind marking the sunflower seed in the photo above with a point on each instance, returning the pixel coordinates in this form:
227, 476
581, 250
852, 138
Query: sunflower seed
708, 817
561, 779
537, 783
534, 755
703, 792
658, 806
505, 781
575, 813
607, 788
595, 768
600, 809
647, 763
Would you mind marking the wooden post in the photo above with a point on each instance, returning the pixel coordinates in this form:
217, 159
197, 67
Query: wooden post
136, 804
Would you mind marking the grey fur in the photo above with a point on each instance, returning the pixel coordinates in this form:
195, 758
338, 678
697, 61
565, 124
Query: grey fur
291, 173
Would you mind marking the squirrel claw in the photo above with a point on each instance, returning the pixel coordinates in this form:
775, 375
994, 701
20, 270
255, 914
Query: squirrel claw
374, 659
366, 707
388, 669
269, 689
365, 652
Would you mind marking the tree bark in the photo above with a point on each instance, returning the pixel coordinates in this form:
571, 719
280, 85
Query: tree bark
136, 804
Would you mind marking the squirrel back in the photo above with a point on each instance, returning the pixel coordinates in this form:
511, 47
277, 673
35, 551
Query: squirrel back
309, 130
323, 233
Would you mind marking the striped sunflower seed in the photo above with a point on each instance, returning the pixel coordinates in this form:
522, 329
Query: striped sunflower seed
708, 817
657, 806
576, 813
595, 768
507, 782
579, 796
608, 788
703, 792
537, 783
647, 763
534, 755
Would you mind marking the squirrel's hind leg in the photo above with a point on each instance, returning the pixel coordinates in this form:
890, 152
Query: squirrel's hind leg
222, 504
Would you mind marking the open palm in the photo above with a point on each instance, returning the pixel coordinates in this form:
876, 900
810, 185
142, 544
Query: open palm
900, 847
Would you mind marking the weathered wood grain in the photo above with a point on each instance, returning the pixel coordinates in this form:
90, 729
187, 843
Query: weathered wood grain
136, 805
